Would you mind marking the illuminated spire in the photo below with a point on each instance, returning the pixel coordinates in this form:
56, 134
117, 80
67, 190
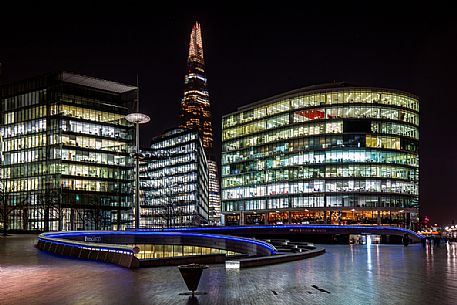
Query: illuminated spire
195, 109
196, 114
195, 44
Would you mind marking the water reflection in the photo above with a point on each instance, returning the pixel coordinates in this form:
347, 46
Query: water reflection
451, 272
451, 249
193, 300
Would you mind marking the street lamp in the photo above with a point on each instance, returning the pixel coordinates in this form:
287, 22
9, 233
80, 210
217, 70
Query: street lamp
137, 118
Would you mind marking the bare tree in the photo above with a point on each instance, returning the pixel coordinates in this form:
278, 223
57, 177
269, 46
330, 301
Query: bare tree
7, 208
95, 213
49, 205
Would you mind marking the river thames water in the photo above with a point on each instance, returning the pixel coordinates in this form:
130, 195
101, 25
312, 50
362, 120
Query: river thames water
345, 274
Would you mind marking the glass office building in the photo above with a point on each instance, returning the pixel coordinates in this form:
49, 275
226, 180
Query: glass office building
65, 162
174, 181
323, 154
214, 194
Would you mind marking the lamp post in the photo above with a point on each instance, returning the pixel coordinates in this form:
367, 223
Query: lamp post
137, 118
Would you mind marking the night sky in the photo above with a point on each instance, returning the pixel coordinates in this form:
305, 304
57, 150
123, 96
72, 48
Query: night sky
254, 52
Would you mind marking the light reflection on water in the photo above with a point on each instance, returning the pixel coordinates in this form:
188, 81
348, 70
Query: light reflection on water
352, 274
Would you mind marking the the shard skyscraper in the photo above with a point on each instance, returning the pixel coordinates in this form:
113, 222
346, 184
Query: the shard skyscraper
196, 114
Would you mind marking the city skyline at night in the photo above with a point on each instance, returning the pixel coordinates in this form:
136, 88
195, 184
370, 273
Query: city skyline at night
255, 53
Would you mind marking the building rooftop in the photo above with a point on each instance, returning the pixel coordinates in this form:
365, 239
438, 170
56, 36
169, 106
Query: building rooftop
45, 80
93, 82
335, 85
317, 88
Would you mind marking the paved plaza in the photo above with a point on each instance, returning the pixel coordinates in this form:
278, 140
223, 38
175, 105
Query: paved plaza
357, 274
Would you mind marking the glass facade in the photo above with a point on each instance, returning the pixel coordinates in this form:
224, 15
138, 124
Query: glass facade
65, 144
150, 251
174, 181
329, 154
214, 194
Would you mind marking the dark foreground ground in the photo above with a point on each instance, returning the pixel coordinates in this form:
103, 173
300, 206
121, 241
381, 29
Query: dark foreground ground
345, 274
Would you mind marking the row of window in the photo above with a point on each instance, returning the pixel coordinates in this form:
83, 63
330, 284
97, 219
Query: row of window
34, 155
29, 184
95, 129
372, 217
322, 157
311, 163
25, 156
323, 142
89, 114
157, 155
168, 171
25, 169
35, 199
178, 160
154, 208
23, 100
24, 142
312, 100
169, 184
24, 128
185, 138
319, 202
168, 220
176, 194
326, 128
95, 143
319, 186
114, 200
25, 115
97, 186
320, 114
94, 171
148, 251
92, 157
353, 171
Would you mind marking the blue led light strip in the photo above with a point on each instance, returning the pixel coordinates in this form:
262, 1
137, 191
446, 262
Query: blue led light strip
82, 245
377, 228
63, 235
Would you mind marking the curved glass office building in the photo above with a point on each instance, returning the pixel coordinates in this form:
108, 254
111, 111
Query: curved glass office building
330, 153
